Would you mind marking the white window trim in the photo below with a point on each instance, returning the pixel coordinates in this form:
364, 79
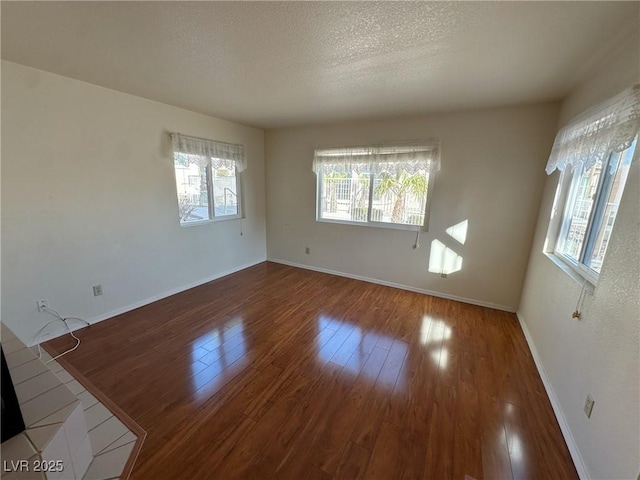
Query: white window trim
573, 273
421, 155
559, 224
213, 218
595, 134
212, 150
583, 273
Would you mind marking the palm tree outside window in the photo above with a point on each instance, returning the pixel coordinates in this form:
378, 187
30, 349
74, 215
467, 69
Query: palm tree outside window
384, 186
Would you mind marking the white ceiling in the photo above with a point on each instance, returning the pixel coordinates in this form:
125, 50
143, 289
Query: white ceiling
271, 64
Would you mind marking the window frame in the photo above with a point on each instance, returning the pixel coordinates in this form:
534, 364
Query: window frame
210, 200
565, 198
238, 194
373, 223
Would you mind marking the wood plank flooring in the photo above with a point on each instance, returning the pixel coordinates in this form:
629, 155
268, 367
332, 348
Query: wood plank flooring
278, 372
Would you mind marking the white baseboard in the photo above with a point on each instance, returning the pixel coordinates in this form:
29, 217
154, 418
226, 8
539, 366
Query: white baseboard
562, 421
119, 311
472, 301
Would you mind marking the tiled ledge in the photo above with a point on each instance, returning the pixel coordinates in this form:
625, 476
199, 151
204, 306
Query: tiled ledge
56, 434
65, 422
111, 441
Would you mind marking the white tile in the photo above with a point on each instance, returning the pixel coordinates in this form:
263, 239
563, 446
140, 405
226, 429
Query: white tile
44, 405
57, 450
12, 345
75, 387
36, 386
76, 428
27, 473
18, 358
64, 376
16, 448
106, 433
82, 458
41, 436
27, 370
123, 440
54, 366
95, 415
87, 399
109, 464
65, 473
57, 417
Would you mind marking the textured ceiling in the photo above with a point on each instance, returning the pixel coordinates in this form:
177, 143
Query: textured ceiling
271, 64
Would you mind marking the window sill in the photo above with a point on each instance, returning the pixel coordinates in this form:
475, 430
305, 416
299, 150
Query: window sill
580, 279
390, 226
208, 222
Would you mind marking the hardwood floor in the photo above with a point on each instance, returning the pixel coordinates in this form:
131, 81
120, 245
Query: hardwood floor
278, 372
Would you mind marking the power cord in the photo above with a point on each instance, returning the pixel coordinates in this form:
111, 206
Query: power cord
59, 318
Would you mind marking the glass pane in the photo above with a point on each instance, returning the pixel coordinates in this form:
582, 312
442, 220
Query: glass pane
400, 197
225, 191
583, 191
191, 185
343, 196
610, 208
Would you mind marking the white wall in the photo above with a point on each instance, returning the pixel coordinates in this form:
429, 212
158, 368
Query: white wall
492, 175
599, 354
89, 196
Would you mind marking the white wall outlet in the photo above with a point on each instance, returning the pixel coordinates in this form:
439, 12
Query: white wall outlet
97, 290
588, 405
42, 304
307, 250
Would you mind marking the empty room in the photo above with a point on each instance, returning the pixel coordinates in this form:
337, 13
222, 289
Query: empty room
320, 240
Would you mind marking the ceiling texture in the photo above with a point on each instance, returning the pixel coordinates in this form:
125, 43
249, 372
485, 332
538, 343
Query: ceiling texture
273, 64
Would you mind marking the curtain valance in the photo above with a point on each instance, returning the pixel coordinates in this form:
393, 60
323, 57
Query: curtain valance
392, 158
207, 152
601, 130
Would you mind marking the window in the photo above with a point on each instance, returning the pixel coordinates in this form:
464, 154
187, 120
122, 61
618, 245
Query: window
384, 186
207, 179
594, 197
599, 148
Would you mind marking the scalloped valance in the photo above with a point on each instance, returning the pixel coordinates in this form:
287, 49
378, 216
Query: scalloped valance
392, 158
608, 127
208, 152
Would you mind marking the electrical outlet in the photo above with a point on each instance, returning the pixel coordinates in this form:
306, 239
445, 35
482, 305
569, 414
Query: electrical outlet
588, 405
307, 250
42, 304
97, 290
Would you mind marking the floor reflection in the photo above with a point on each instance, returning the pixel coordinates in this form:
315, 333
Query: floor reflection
441, 357
215, 353
433, 334
433, 331
357, 344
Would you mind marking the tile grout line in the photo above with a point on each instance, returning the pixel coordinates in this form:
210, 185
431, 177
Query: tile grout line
49, 414
28, 378
41, 393
104, 421
104, 450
